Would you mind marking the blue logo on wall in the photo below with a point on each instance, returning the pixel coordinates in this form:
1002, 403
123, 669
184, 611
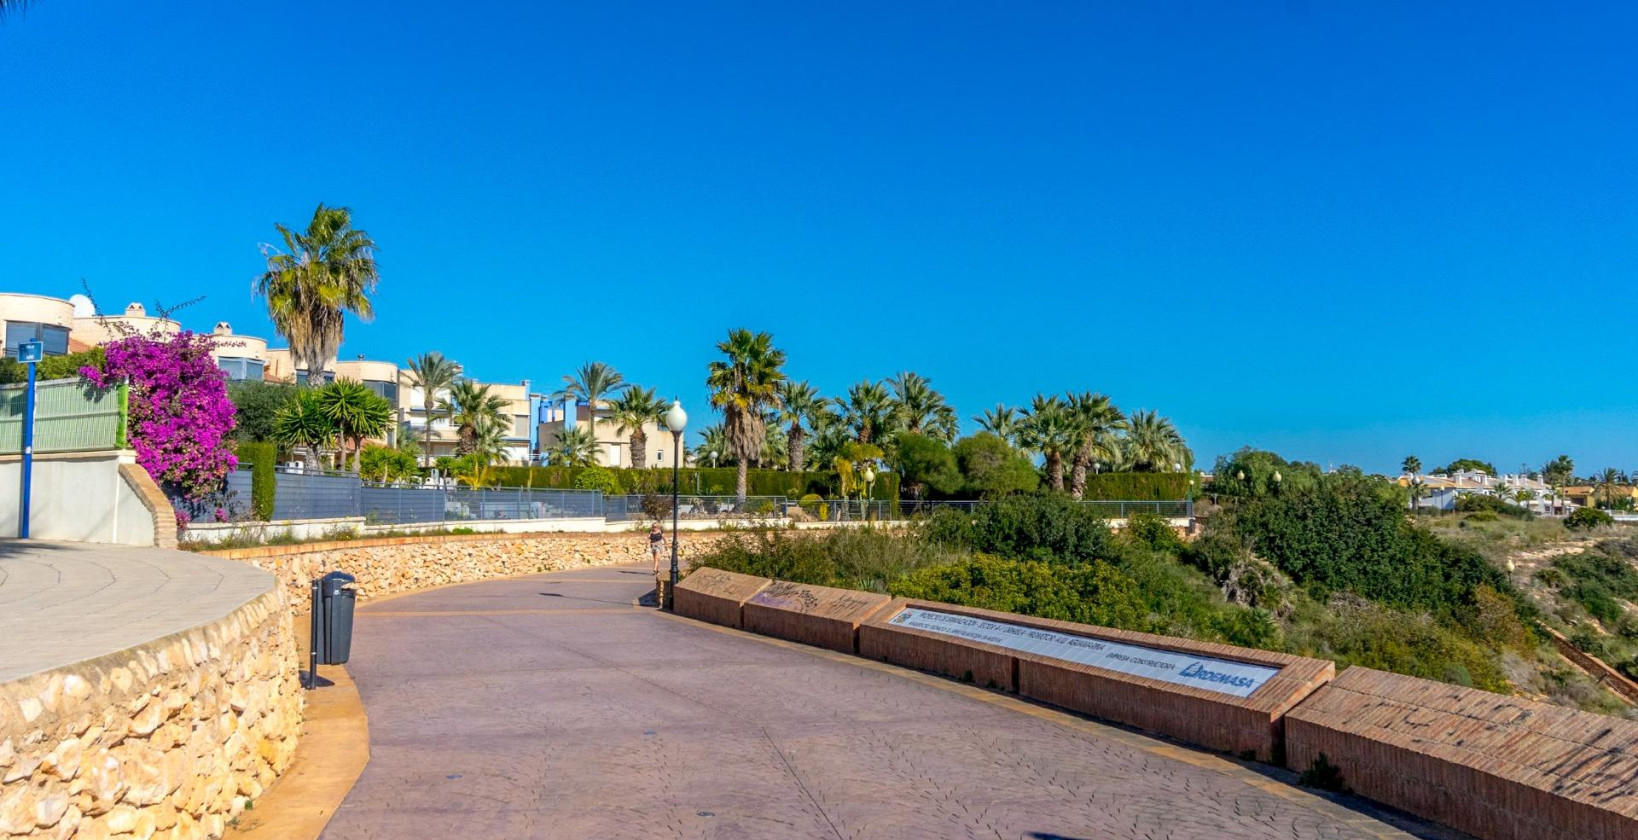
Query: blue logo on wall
1197, 671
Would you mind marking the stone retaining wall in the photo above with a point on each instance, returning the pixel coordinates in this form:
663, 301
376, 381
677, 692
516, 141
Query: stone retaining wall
388, 566
167, 739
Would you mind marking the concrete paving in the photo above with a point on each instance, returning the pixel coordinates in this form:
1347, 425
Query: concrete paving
551, 707
62, 603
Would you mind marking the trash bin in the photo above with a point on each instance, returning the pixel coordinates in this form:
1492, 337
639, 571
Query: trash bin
335, 611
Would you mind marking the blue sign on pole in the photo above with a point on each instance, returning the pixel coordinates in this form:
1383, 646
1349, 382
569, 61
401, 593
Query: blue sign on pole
29, 353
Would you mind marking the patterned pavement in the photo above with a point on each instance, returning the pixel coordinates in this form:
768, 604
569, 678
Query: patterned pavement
550, 707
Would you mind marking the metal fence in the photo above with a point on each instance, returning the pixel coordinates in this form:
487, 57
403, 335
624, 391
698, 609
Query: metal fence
695, 507
69, 416
328, 495
1170, 509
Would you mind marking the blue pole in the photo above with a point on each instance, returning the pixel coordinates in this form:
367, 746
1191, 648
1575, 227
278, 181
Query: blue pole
28, 455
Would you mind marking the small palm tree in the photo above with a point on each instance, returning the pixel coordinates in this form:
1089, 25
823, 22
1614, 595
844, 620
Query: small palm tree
1411, 466
633, 410
433, 373
1097, 424
744, 387
472, 407
713, 446
1153, 443
576, 447
592, 383
320, 275
919, 409
356, 413
868, 409
1605, 484
302, 424
1000, 421
798, 401
1049, 429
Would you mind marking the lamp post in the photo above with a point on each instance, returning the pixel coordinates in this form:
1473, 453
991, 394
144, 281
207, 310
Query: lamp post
29, 353
870, 491
713, 459
1277, 482
675, 420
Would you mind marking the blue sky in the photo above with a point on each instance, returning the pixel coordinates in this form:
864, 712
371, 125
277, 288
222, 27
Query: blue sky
1346, 234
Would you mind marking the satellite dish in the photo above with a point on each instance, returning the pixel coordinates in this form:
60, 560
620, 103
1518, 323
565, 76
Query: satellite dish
83, 307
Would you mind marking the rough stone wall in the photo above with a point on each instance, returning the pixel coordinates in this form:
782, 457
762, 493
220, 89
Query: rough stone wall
402, 564
164, 740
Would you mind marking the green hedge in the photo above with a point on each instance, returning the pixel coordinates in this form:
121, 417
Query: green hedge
702, 481
262, 458
1137, 487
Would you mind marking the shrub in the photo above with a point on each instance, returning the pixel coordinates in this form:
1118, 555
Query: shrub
991, 468
1588, 640
13, 372
851, 558
1090, 593
598, 478
1043, 527
1477, 503
1137, 486
1599, 581
263, 459
1587, 518
1154, 531
1344, 534
256, 406
1353, 631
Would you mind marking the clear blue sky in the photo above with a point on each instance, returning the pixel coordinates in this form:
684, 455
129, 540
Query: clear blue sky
1343, 234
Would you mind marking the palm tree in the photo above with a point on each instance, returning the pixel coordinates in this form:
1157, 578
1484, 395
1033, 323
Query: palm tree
310, 285
1000, 421
798, 401
1049, 429
302, 423
827, 435
633, 410
713, 446
868, 410
576, 447
1605, 484
744, 386
433, 373
489, 442
1411, 466
356, 413
1524, 496
472, 407
919, 409
1153, 443
592, 383
1097, 421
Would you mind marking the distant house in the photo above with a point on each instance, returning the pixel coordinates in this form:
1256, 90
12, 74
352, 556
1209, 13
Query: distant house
1440, 492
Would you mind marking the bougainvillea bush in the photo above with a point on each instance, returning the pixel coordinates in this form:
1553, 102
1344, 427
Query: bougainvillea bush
179, 413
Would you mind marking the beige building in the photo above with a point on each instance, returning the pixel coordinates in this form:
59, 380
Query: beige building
94, 330
614, 445
241, 356
35, 317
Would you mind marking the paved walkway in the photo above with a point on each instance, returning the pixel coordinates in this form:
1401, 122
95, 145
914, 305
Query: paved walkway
62, 602
550, 707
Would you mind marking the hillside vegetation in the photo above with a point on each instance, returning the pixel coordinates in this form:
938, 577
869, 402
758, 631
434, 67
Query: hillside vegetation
1332, 568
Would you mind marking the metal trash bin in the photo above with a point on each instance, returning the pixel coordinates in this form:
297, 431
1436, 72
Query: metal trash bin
332, 622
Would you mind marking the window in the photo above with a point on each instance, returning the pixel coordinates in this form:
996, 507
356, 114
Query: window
301, 377
384, 389
54, 338
240, 368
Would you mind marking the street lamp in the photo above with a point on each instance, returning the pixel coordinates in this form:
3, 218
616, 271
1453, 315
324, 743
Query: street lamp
1277, 482
675, 420
870, 489
713, 459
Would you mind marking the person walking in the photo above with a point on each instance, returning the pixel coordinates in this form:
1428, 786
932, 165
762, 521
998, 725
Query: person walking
656, 545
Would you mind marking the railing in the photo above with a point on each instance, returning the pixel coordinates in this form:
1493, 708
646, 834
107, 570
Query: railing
1169, 509
69, 416
693, 507
310, 494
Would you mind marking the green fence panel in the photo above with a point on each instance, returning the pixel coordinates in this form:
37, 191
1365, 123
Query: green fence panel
69, 416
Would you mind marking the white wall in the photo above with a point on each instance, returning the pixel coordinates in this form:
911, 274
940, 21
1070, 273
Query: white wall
79, 497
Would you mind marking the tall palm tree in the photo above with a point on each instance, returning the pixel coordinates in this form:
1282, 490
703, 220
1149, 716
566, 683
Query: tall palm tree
472, 407
1411, 466
576, 447
356, 412
744, 386
1049, 429
592, 383
433, 373
827, 435
868, 410
1000, 421
1097, 424
1153, 443
320, 275
633, 410
797, 403
302, 424
1604, 485
919, 409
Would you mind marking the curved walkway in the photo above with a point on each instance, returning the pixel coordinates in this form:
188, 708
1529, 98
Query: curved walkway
62, 602
551, 706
